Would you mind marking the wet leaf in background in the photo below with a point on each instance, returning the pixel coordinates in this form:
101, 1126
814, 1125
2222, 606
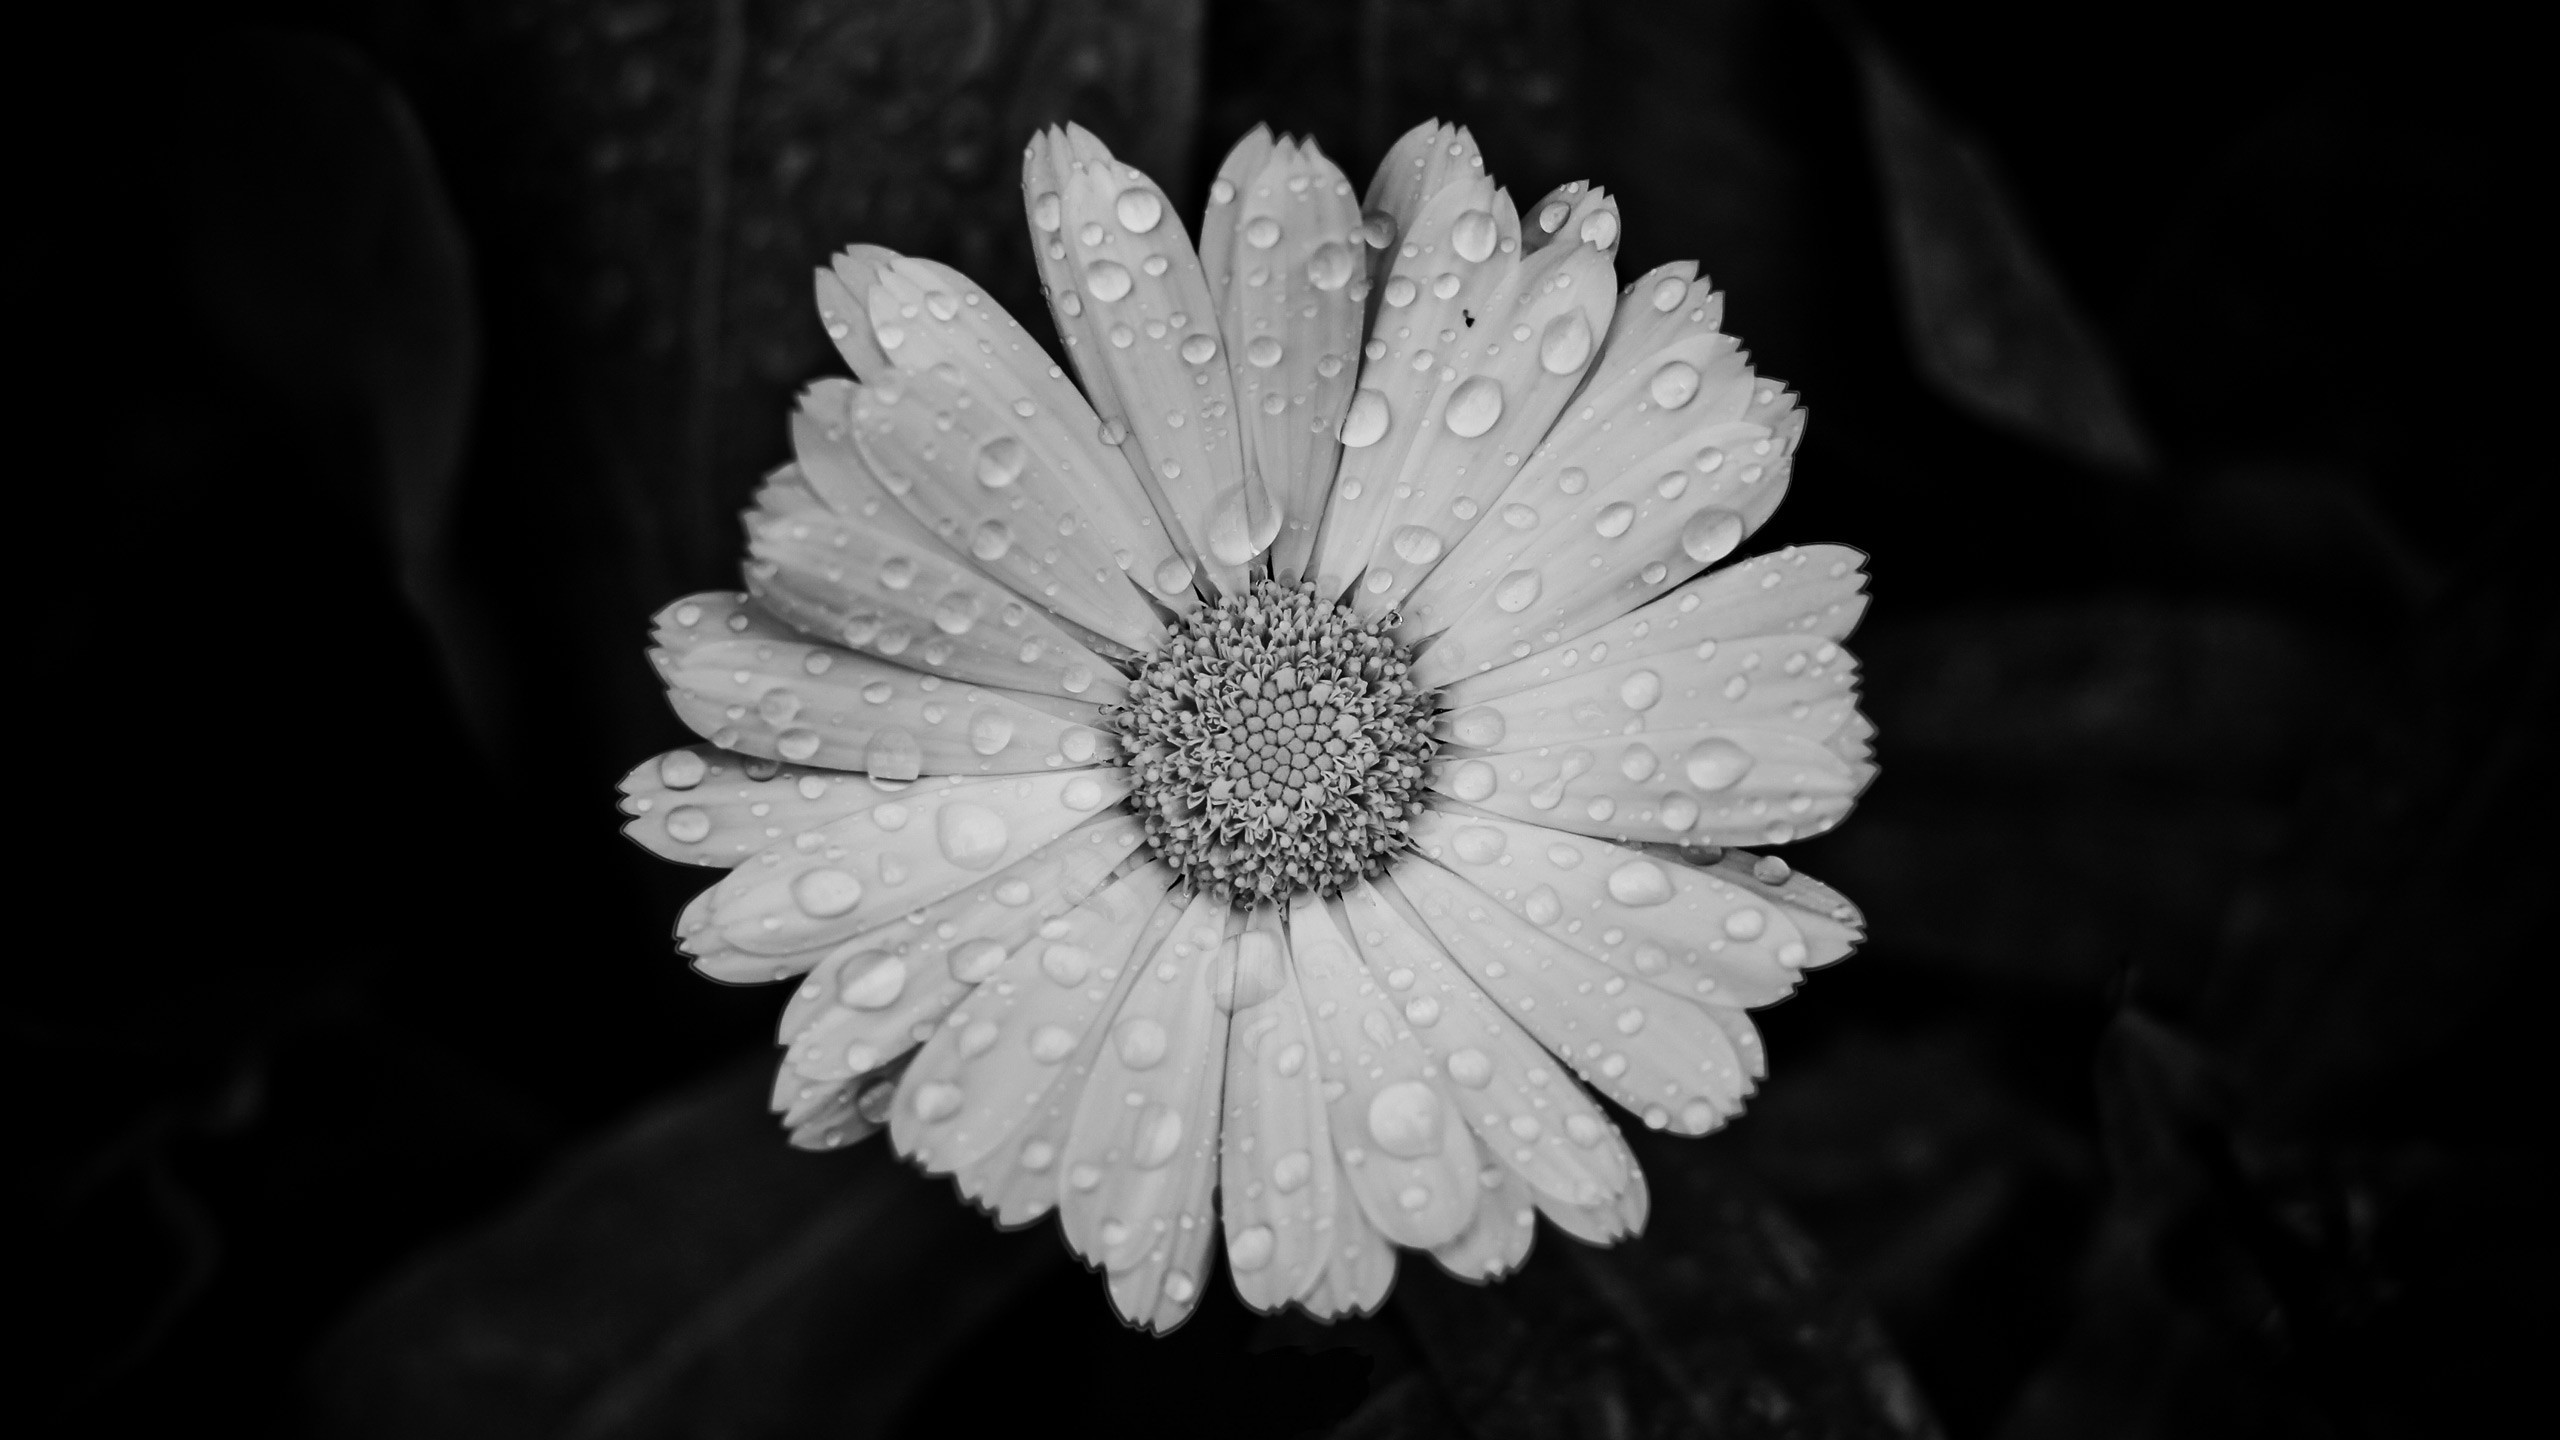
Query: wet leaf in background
1988, 321
685, 1275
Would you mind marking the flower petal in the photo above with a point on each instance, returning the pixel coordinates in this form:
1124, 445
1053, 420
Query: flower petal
1497, 1241
1726, 743
1457, 244
1019, 1179
1647, 1049
1807, 590
767, 690
1285, 260
1141, 329
1485, 394
869, 575
1606, 1223
1672, 453
1142, 1159
844, 288
992, 1063
1714, 934
1277, 1181
925, 844
981, 436
873, 998
1360, 1266
1405, 1149
1532, 1122
708, 807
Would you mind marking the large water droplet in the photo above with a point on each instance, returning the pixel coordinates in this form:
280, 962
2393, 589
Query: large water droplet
1365, 424
1566, 344
972, 837
1639, 882
1638, 763
1404, 1118
1479, 844
1472, 781
1710, 535
1516, 592
990, 731
1139, 210
1400, 291
1473, 407
1000, 462
1673, 385
1600, 229
826, 893
1519, 517
681, 770
688, 824
991, 540
1668, 292
973, 962
1066, 964
956, 613
1173, 575
1199, 349
1481, 727
1614, 520
1045, 211
1262, 232
1250, 1249
1231, 532
937, 1101
1082, 793
878, 987
893, 755
1330, 267
1263, 351
1141, 1042
1471, 1067
1745, 923
797, 744
1418, 544
1716, 764
1473, 235
1541, 906
1291, 1171
1107, 279
1641, 690
1159, 1136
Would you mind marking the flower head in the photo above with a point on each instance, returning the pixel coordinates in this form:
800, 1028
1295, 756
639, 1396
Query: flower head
1255, 794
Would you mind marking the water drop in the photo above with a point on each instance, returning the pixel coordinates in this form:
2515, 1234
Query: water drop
1479, 844
1745, 923
972, 837
1674, 385
1516, 592
1716, 764
1541, 906
1471, 782
990, 731
1404, 1118
1173, 575
1417, 544
1566, 344
937, 1102
1222, 192
1250, 1249
1473, 235
1262, 232
973, 962
1679, 812
1330, 267
1519, 517
1365, 423
1668, 292
893, 755
1554, 216
826, 893
1573, 481
797, 744
1263, 351
1066, 964
1107, 279
1044, 211
1710, 535
1159, 1135
1401, 291
1000, 462
1639, 882
1473, 407
1614, 520
1639, 763
688, 824
1641, 690
1199, 349
1082, 793
681, 770
1481, 727
991, 540
1139, 210
1141, 1041
878, 987
1291, 1171
1471, 1068
1600, 229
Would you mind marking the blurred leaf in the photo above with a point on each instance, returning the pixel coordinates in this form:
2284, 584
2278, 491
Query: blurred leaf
689, 1275
1719, 1320
1988, 321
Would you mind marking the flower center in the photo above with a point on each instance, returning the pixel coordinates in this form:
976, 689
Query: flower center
1278, 746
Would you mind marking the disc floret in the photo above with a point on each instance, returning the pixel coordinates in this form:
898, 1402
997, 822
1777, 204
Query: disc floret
1279, 744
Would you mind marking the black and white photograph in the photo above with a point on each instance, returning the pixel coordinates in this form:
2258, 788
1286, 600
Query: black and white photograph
1284, 720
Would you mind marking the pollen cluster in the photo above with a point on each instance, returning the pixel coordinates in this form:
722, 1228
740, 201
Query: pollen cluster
1278, 745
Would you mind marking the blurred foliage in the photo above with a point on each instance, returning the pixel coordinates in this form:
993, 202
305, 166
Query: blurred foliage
400, 356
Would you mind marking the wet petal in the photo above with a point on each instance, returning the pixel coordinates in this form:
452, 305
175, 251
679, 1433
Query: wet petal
930, 841
769, 691
1457, 247
1530, 1119
1132, 304
855, 1013
865, 574
1404, 1147
1606, 1223
1277, 1181
1001, 1049
1497, 1241
1142, 1158
1801, 590
1711, 933
1360, 1266
844, 288
1289, 272
1725, 743
1670, 456
1020, 1178
986, 430
705, 806
1649, 1050
1576, 212
1496, 383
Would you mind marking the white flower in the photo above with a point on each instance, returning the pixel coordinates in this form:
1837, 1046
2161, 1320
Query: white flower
1251, 791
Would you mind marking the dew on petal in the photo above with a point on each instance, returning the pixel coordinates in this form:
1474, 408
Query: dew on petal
990, 731
681, 770
1330, 267
1516, 592
1159, 1136
1674, 385
1066, 964
1566, 344
1365, 424
1668, 292
1481, 727
1141, 1041
1082, 793
1746, 923
974, 961
937, 1102
1614, 520
1138, 210
1473, 235
1417, 544
1473, 407
826, 893
1473, 781
1172, 576
1045, 211
797, 744
1470, 1067
1710, 535
1404, 1119
1479, 844
1291, 1171
1251, 1249
972, 837
1262, 351
1639, 882
1641, 690
1199, 349
991, 540
1600, 229
878, 987
1715, 765
1262, 232
1108, 280
893, 755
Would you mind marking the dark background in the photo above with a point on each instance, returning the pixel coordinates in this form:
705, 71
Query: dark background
386, 364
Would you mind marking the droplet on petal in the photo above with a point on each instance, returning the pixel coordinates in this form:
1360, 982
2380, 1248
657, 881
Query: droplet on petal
1566, 344
1716, 764
1262, 232
1674, 385
1473, 781
1250, 1249
974, 961
1479, 844
1481, 727
1639, 882
1471, 1067
878, 987
1710, 535
1199, 349
937, 1101
1262, 351
1668, 292
1473, 235
1138, 210
1516, 592
681, 770
1600, 229
1044, 211
990, 731
1330, 267
893, 755
972, 837
1159, 1136
1641, 690
1614, 520
1473, 407
1000, 462
1417, 544
1404, 1118
826, 893
1366, 421
1141, 1041
1108, 280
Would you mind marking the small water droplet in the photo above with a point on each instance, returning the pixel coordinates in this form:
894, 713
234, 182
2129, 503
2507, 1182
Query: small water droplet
826, 893
1158, 1136
1404, 1118
1262, 232
1045, 211
1674, 385
973, 962
893, 755
991, 540
878, 987
1330, 267
1222, 192
1573, 481
1401, 291
1139, 210
1668, 292
1108, 280
1641, 690
1471, 782
1516, 592
1417, 544
1519, 517
1566, 344
681, 770
1365, 423
1639, 882
1473, 407
1000, 462
1710, 535
1479, 844
1082, 793
1717, 764
1746, 923
688, 824
1541, 906
972, 837
1199, 349
1473, 236
1250, 1249
1291, 1171
1480, 727
1262, 351
990, 731
797, 744
1638, 763
1614, 520
1173, 575
1600, 229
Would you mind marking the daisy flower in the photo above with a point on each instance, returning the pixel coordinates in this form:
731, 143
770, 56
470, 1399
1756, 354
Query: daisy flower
1271, 788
